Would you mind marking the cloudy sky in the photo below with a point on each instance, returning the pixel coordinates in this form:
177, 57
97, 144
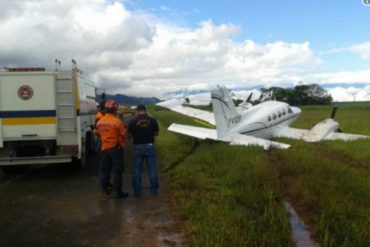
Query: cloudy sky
148, 48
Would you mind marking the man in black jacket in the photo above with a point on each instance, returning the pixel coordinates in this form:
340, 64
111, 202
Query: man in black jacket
142, 128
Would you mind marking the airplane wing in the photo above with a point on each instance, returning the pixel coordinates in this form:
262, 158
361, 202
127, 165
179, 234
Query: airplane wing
288, 132
198, 132
195, 113
176, 105
344, 136
247, 140
234, 139
325, 130
170, 103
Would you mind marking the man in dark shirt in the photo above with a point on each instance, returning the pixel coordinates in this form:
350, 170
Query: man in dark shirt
142, 128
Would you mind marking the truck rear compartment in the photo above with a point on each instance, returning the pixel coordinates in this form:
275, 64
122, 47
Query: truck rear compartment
37, 118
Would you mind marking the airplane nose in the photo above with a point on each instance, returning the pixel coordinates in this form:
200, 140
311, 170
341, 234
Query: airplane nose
296, 111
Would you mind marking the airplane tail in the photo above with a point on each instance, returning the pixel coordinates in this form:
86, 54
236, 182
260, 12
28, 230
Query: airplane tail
224, 111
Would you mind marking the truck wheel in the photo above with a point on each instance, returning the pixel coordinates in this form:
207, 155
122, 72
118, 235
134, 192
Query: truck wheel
80, 164
90, 144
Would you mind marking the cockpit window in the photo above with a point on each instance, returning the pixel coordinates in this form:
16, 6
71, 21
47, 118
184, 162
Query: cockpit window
279, 114
290, 111
274, 116
284, 112
269, 118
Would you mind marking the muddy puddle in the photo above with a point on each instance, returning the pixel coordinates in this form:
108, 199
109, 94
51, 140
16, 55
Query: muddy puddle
300, 232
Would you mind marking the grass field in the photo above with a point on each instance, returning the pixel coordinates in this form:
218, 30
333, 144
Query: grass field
233, 196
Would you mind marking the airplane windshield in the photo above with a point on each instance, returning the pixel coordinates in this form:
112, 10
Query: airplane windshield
290, 111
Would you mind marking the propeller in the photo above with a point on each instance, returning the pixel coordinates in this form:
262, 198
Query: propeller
333, 112
249, 97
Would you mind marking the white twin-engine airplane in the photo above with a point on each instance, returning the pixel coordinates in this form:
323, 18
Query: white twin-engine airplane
253, 126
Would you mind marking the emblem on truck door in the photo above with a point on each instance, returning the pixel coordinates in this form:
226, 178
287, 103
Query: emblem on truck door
25, 92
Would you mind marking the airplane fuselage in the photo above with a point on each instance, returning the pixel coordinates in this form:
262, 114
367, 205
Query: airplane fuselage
259, 120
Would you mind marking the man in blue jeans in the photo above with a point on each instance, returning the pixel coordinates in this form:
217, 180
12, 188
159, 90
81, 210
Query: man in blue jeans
142, 128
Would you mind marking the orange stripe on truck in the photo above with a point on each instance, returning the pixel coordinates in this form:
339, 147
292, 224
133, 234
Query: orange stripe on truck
29, 120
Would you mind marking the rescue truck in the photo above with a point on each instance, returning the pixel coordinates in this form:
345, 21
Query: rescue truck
46, 117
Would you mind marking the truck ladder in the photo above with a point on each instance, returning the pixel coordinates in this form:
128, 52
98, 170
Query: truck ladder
65, 108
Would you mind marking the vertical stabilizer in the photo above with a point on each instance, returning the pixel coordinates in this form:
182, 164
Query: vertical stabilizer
226, 116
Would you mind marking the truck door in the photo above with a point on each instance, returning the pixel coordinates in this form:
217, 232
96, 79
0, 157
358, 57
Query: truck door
27, 102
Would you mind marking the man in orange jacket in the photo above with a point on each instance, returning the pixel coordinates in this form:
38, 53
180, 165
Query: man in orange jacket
112, 133
101, 111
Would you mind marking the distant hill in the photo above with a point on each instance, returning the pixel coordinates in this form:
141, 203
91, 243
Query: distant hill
132, 100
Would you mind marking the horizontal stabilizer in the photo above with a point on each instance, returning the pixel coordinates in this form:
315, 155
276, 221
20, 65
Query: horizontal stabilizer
235, 139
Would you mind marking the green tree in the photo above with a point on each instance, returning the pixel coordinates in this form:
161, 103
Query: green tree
311, 94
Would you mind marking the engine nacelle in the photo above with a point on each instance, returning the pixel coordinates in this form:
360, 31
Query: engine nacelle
321, 130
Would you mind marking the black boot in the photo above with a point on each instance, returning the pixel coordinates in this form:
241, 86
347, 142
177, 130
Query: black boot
122, 195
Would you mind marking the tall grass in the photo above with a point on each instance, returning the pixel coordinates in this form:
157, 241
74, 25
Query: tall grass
333, 197
172, 148
228, 195
329, 181
231, 197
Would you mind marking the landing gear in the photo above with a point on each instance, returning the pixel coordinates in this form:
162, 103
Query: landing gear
90, 143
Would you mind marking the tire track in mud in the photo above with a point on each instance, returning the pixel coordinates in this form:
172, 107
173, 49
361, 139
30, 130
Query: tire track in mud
301, 226
11, 180
173, 205
174, 164
14, 176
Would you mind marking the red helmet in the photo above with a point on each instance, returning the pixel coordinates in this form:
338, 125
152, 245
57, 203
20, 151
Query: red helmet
111, 104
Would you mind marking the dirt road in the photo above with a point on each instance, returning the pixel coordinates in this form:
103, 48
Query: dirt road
57, 206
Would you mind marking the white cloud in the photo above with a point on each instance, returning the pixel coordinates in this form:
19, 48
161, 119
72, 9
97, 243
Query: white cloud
100, 36
363, 50
139, 53
344, 77
207, 56
350, 94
